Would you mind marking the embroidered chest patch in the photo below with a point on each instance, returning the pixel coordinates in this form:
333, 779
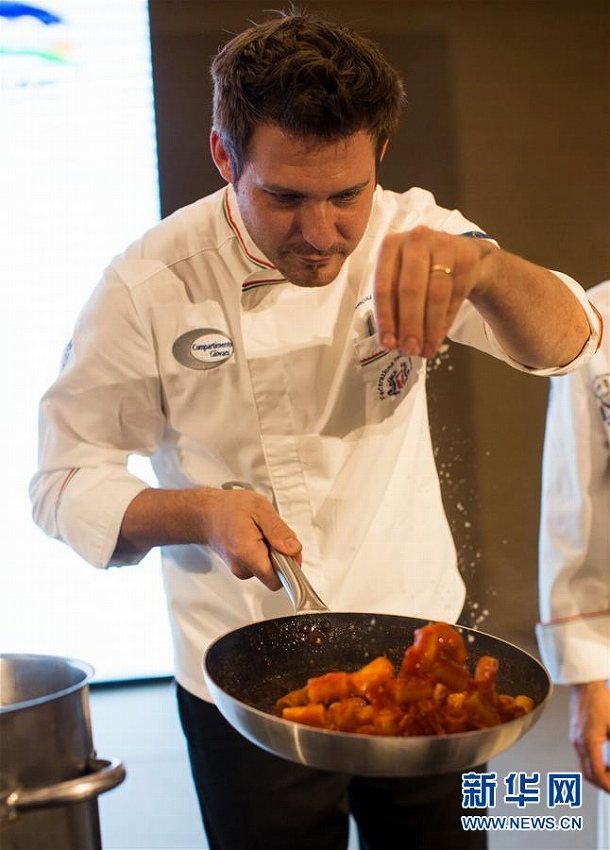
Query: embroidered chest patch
394, 376
601, 390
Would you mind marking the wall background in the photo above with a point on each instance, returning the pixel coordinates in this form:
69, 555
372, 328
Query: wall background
507, 120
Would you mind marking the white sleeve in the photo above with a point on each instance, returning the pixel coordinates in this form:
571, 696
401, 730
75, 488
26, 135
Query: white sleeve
104, 406
574, 549
470, 328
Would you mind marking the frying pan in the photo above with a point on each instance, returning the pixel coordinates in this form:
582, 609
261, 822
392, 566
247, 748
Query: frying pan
249, 668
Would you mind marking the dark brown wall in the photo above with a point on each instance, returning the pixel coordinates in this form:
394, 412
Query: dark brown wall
507, 120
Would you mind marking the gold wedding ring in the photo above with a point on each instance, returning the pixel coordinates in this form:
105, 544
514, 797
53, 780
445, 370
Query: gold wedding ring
439, 268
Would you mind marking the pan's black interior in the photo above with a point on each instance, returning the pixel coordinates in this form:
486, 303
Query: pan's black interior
260, 662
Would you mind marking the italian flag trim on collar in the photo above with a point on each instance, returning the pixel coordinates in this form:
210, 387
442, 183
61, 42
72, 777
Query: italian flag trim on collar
258, 261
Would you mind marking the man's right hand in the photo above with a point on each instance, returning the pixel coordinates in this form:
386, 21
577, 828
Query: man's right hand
239, 525
590, 729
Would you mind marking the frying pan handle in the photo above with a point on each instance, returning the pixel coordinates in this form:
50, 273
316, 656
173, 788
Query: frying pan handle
302, 595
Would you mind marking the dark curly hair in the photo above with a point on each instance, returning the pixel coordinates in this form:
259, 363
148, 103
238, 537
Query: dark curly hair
306, 75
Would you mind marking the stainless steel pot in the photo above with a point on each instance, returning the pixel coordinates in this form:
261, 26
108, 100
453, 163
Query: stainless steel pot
49, 774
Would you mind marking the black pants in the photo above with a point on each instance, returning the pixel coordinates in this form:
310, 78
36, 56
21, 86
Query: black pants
252, 800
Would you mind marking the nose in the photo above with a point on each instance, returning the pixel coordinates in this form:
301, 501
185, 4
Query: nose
317, 224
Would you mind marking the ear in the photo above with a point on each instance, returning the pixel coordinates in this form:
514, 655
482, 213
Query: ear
384, 148
221, 157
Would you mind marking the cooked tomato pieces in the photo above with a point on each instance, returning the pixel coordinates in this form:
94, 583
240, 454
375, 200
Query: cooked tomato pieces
432, 694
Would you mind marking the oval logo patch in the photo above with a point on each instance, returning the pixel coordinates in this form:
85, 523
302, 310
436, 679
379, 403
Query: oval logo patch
203, 348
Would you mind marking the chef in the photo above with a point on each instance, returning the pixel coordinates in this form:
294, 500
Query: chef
574, 564
275, 334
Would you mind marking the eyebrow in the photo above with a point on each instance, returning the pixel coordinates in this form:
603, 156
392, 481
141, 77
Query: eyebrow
285, 190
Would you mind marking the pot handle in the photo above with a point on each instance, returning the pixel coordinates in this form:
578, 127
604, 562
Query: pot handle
106, 774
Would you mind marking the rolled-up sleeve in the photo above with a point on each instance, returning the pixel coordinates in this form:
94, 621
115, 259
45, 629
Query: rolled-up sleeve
103, 407
470, 328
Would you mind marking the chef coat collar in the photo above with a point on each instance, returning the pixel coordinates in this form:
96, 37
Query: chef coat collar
263, 271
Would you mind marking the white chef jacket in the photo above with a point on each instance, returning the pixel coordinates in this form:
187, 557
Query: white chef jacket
195, 351
574, 565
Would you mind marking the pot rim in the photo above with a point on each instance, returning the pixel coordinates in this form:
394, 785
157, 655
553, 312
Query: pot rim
78, 663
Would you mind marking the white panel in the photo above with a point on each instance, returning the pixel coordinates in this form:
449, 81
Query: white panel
78, 181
